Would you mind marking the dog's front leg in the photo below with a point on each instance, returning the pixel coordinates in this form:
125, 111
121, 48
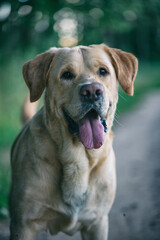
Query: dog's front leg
75, 180
19, 232
97, 231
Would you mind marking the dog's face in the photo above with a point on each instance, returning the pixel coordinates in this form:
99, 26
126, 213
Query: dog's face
81, 86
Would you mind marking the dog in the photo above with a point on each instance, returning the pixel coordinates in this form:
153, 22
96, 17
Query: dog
63, 163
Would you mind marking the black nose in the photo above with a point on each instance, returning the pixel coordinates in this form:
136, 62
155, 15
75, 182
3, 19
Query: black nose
91, 92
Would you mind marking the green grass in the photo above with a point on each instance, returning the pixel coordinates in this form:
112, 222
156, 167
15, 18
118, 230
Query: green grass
13, 92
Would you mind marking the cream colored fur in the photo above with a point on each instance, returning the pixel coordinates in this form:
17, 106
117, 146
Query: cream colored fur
58, 184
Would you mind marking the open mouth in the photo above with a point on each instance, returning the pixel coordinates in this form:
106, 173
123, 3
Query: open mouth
90, 129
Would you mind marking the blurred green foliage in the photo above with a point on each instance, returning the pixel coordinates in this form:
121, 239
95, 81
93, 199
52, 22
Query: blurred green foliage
132, 25
28, 27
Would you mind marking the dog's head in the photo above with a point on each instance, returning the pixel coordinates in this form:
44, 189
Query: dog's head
81, 86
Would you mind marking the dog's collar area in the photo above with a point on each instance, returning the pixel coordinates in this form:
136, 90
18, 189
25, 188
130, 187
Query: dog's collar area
73, 126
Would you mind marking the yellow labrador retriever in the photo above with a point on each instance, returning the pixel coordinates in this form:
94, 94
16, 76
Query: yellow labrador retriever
63, 164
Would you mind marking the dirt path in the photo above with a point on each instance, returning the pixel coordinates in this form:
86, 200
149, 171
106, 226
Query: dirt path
136, 212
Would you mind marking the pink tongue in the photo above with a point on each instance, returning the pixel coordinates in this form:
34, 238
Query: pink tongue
91, 131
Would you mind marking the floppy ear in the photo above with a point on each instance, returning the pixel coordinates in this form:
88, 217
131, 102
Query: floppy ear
126, 66
35, 73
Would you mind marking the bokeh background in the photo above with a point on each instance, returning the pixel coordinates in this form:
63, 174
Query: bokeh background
29, 27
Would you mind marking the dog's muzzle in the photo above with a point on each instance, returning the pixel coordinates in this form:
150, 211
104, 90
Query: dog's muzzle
91, 126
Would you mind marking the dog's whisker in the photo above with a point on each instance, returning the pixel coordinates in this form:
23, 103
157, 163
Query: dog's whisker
118, 122
120, 95
117, 115
117, 111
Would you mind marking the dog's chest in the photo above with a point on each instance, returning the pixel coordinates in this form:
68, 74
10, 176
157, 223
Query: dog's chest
71, 221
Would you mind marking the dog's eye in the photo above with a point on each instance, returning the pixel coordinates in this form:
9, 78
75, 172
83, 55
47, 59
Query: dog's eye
103, 72
67, 76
